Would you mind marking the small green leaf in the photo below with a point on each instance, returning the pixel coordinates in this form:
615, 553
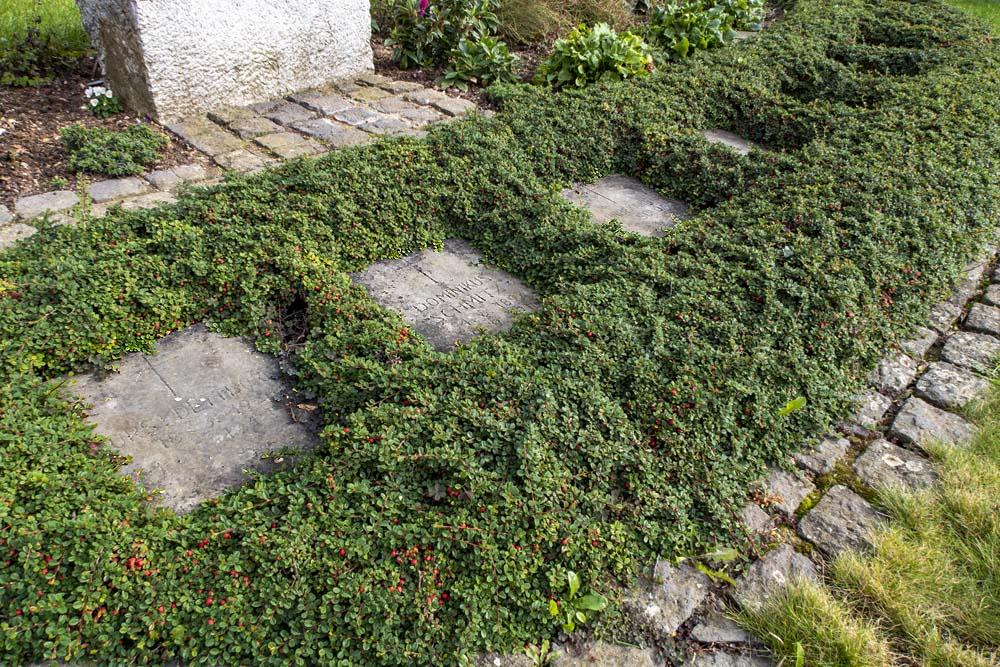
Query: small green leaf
792, 405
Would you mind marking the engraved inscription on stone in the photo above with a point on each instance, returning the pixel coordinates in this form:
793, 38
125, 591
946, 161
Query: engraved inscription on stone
638, 208
447, 296
194, 415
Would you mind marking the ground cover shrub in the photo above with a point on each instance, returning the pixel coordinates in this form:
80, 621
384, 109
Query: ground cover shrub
929, 591
591, 54
482, 62
110, 152
39, 39
452, 494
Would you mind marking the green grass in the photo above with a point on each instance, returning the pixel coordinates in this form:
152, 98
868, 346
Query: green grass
984, 9
930, 590
58, 18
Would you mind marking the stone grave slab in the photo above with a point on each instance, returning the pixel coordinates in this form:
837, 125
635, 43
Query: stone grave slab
639, 209
195, 414
731, 140
447, 296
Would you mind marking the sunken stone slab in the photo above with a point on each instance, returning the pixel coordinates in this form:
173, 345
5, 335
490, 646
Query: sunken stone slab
59, 200
919, 422
733, 141
638, 208
769, 575
822, 459
974, 351
194, 415
788, 490
116, 188
842, 520
885, 465
668, 598
948, 386
871, 409
983, 319
447, 296
11, 234
893, 374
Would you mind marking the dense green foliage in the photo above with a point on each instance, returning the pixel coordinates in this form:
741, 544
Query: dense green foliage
680, 28
424, 36
626, 418
111, 152
38, 40
588, 55
483, 62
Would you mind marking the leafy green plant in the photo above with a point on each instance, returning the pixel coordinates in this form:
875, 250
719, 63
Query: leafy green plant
717, 556
423, 33
573, 608
588, 55
681, 28
746, 14
540, 655
481, 62
112, 153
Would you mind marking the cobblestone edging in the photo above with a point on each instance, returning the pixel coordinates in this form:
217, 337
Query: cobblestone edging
247, 139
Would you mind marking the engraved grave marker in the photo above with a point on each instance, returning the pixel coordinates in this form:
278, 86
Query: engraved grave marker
194, 415
447, 296
639, 209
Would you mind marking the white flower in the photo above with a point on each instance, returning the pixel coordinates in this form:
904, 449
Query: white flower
93, 103
109, 94
89, 92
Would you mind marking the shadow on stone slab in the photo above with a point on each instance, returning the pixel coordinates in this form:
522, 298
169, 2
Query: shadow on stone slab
194, 415
447, 296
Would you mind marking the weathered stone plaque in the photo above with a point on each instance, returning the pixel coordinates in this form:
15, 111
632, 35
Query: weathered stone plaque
447, 296
195, 414
733, 141
639, 209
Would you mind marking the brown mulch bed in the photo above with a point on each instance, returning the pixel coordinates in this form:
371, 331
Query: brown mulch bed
31, 155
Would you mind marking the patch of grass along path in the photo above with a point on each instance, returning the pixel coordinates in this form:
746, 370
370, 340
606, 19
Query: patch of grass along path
984, 9
928, 594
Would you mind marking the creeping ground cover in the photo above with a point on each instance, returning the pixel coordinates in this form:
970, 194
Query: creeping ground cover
626, 419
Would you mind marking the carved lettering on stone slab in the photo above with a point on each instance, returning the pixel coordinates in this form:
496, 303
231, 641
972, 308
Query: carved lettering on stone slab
638, 208
194, 415
447, 296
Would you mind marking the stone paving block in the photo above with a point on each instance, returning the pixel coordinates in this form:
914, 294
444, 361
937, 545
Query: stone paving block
289, 145
194, 415
754, 519
368, 95
117, 188
288, 113
500, 660
11, 234
347, 87
922, 341
397, 87
948, 386
983, 319
5, 215
943, 317
968, 286
372, 79
325, 104
893, 374
421, 116
715, 628
667, 598
333, 133
357, 116
733, 141
639, 209
249, 128
991, 297
840, 521
603, 654
150, 200
191, 172
59, 200
769, 575
977, 352
425, 97
267, 106
447, 296
822, 459
788, 490
242, 161
872, 407
453, 106
388, 125
394, 104
205, 136
729, 659
884, 464
230, 114
919, 422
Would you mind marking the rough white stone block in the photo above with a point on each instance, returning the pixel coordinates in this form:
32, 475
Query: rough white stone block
175, 58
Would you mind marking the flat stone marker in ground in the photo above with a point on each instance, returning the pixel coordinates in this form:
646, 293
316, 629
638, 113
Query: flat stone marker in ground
447, 296
638, 208
733, 141
194, 415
